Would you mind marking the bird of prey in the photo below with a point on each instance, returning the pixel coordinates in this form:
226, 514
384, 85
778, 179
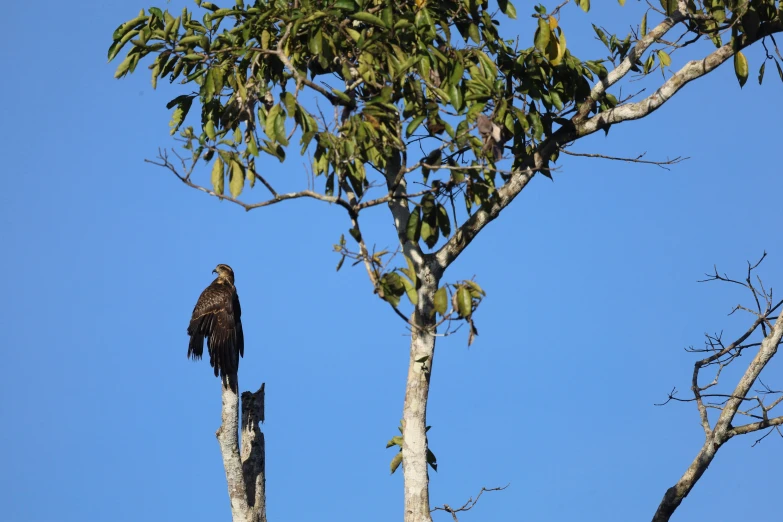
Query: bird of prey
217, 316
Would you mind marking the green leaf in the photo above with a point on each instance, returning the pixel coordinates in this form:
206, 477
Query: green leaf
761, 72
669, 6
718, 11
643, 28
209, 128
414, 124
347, 5
395, 462
290, 102
584, 4
410, 291
429, 234
217, 176
473, 33
123, 29
237, 182
541, 38
475, 287
443, 221
392, 287
413, 228
316, 43
741, 68
456, 73
252, 146
250, 173
507, 8
270, 127
368, 18
664, 58
342, 96
601, 35
280, 134
122, 69
464, 302
395, 441
441, 300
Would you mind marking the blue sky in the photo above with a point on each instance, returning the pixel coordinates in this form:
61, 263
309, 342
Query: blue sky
592, 296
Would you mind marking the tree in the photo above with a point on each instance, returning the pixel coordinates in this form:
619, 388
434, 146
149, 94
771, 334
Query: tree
732, 405
427, 111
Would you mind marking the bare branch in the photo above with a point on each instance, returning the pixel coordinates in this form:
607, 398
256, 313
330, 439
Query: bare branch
164, 162
467, 506
755, 426
724, 429
637, 159
254, 451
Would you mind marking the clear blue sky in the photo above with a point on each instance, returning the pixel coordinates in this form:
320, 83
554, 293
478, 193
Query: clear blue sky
592, 297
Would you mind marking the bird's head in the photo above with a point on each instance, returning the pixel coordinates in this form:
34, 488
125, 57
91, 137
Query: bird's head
224, 272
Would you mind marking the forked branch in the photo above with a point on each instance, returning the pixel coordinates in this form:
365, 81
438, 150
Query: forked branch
728, 404
467, 506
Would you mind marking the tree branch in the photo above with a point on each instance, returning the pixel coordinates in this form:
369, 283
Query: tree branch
254, 451
247, 206
755, 426
637, 159
689, 72
467, 506
723, 429
625, 66
466, 232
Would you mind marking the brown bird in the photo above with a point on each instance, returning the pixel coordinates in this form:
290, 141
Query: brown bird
217, 316
491, 136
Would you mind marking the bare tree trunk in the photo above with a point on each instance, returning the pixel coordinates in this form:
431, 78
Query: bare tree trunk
414, 414
246, 475
228, 438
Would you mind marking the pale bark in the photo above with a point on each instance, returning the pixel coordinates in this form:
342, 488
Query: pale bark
228, 439
723, 429
246, 474
422, 351
414, 414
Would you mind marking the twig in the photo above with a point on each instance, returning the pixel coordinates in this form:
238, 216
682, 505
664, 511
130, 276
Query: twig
467, 506
637, 159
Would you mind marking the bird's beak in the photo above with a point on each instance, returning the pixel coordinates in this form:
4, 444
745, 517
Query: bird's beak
214, 271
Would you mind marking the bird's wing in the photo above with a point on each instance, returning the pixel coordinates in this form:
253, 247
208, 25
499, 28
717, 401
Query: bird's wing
214, 318
238, 315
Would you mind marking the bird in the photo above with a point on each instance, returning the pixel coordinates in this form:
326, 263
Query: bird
491, 136
217, 317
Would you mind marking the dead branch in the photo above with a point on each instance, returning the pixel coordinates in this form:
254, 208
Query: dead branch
637, 159
254, 451
723, 429
467, 506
